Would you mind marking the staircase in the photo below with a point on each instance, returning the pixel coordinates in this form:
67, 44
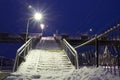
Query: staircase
47, 61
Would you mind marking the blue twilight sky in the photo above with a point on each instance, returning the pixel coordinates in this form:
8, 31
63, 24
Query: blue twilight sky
65, 16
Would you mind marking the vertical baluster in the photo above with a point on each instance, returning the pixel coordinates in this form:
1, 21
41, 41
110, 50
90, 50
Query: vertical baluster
1, 63
79, 59
118, 64
96, 44
89, 57
30, 45
92, 58
115, 65
28, 48
91, 61
25, 52
111, 63
82, 58
17, 63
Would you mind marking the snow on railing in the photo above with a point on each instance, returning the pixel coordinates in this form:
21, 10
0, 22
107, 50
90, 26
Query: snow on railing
71, 52
22, 52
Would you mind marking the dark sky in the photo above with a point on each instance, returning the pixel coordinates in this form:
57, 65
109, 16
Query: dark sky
65, 16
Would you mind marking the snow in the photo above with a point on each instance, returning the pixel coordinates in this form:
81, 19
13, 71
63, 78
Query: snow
47, 62
91, 73
40, 61
84, 73
43, 64
48, 43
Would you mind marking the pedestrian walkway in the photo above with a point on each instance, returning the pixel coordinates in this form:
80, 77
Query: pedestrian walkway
46, 61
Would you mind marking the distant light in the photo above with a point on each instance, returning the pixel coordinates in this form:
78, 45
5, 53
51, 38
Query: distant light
42, 26
91, 30
29, 6
38, 16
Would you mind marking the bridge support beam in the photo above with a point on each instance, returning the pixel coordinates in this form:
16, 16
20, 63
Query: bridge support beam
97, 52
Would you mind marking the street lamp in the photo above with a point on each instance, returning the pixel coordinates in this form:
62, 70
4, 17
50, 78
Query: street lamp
42, 27
37, 16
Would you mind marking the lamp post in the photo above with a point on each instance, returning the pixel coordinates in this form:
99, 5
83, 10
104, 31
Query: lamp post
42, 27
37, 16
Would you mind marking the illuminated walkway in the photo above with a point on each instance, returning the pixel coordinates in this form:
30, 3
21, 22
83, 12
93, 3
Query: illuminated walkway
46, 61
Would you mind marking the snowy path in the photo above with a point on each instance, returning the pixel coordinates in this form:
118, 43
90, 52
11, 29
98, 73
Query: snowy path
47, 62
48, 43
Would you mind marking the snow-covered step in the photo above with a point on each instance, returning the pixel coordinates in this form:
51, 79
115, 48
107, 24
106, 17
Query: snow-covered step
44, 64
46, 59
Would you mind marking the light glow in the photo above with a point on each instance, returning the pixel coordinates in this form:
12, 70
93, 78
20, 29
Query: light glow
29, 6
42, 26
90, 30
38, 16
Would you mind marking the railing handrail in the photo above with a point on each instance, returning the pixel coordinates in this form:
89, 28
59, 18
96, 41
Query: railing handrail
69, 46
73, 51
99, 36
20, 51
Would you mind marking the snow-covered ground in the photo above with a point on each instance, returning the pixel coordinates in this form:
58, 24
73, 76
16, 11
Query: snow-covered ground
49, 62
4, 74
91, 73
85, 73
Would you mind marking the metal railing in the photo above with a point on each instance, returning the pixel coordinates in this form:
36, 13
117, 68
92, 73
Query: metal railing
99, 36
90, 54
71, 53
95, 40
22, 52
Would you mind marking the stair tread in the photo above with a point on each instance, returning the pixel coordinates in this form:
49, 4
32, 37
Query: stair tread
43, 62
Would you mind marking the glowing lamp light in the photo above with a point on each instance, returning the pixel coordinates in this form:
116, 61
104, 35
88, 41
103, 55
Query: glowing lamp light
42, 26
38, 16
91, 29
29, 6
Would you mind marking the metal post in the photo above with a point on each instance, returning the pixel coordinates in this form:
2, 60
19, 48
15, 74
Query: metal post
77, 62
119, 64
15, 63
31, 45
25, 51
1, 63
27, 30
97, 56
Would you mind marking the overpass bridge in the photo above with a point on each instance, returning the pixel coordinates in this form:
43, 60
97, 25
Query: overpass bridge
44, 57
73, 40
